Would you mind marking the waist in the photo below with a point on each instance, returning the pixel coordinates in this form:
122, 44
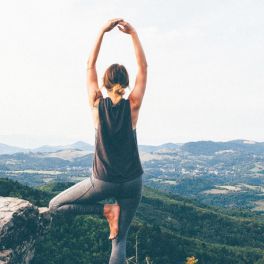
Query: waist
114, 175
137, 178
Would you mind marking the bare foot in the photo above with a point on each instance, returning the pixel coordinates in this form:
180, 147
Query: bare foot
111, 212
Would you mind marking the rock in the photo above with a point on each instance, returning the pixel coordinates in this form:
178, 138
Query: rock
22, 224
5, 256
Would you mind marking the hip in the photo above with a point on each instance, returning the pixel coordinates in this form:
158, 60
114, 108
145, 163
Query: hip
129, 188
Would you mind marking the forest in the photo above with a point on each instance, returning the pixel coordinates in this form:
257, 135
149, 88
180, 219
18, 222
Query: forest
167, 229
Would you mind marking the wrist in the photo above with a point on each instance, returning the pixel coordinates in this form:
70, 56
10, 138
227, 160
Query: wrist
133, 33
101, 32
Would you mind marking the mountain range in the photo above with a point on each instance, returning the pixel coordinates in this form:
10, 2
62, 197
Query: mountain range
227, 174
196, 147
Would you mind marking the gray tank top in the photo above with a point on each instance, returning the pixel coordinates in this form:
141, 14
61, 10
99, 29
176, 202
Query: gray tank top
116, 158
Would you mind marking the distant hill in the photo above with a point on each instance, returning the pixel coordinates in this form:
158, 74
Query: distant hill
169, 229
197, 147
7, 149
79, 145
210, 147
150, 148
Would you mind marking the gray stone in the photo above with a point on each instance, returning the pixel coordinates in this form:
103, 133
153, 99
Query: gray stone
22, 224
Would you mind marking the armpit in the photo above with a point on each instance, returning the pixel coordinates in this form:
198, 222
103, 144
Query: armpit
96, 102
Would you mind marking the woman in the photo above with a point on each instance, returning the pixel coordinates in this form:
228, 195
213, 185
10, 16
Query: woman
117, 170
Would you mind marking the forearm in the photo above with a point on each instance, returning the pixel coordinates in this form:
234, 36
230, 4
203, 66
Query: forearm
140, 56
95, 51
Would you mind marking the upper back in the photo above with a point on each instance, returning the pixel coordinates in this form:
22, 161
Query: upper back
114, 117
107, 102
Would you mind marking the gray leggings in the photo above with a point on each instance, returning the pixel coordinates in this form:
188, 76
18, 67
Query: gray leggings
82, 198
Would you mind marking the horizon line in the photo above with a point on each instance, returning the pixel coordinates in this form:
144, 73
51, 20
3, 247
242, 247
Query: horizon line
155, 145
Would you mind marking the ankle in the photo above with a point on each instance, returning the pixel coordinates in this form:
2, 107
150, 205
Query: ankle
107, 208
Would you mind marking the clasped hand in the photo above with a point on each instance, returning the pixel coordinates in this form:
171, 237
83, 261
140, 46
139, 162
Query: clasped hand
122, 26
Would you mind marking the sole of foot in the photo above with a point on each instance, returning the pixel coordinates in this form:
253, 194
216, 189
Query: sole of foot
111, 212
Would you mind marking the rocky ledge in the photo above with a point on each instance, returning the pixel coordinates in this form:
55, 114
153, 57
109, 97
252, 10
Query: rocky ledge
22, 224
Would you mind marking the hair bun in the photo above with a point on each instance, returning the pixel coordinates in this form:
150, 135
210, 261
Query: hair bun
119, 89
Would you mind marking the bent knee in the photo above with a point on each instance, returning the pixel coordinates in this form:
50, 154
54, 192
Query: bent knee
53, 206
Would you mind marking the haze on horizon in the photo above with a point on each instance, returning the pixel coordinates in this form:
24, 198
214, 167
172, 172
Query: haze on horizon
205, 69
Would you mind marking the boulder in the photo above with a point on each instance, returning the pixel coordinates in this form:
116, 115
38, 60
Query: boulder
22, 224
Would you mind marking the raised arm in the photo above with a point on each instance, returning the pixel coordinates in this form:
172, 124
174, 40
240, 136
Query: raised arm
136, 96
92, 82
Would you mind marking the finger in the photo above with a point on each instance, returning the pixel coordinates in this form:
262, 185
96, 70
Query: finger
120, 28
116, 19
116, 22
119, 19
113, 24
122, 22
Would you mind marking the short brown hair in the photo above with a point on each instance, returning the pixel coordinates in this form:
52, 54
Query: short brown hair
116, 75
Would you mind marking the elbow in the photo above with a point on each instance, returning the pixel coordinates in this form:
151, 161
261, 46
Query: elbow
143, 66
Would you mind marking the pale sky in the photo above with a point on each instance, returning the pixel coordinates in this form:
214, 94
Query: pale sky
205, 68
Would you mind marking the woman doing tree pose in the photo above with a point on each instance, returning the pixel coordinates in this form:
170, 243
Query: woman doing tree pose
116, 170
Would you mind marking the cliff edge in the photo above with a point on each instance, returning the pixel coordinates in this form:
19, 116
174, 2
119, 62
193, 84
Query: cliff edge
22, 224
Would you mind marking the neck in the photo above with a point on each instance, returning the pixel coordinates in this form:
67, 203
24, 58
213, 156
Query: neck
114, 97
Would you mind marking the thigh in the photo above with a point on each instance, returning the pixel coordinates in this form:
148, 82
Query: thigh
72, 194
85, 191
101, 190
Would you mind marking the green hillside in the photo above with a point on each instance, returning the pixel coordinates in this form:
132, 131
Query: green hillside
168, 229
